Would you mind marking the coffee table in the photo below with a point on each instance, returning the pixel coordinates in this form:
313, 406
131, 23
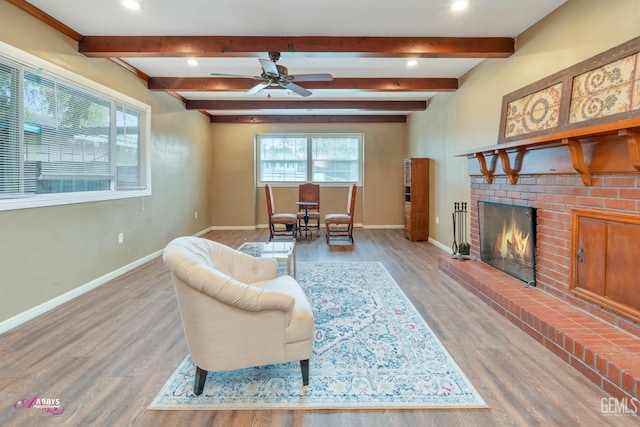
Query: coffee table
280, 251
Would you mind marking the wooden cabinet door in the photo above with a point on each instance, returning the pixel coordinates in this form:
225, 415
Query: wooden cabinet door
603, 260
622, 276
589, 256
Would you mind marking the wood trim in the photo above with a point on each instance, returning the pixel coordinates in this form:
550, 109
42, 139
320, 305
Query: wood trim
218, 46
248, 119
487, 171
47, 19
203, 104
512, 171
131, 68
242, 84
633, 141
550, 139
575, 140
577, 159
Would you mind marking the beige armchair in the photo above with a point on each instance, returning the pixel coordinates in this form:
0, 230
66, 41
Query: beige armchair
235, 312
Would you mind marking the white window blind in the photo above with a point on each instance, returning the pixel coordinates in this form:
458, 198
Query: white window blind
321, 158
64, 134
336, 159
283, 158
11, 169
70, 146
129, 161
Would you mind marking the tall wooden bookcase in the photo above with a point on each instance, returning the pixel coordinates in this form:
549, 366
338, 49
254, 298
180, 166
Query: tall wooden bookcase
416, 199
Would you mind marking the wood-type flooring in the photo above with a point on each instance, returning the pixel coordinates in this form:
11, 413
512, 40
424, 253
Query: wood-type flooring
107, 353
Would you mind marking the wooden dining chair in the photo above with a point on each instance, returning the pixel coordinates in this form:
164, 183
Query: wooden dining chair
280, 224
309, 192
341, 224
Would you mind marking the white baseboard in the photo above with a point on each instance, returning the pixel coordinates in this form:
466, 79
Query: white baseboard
358, 225
229, 227
36, 311
445, 248
203, 232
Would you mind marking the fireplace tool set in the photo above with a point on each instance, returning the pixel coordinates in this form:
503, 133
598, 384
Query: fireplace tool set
463, 249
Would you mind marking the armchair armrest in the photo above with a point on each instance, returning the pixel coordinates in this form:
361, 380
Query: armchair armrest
249, 269
233, 292
242, 267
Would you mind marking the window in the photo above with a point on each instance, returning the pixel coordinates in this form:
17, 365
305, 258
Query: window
321, 158
65, 139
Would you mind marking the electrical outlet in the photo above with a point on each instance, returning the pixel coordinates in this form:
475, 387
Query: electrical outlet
437, 220
120, 237
195, 215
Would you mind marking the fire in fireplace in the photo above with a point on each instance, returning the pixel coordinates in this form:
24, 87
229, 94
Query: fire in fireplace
507, 239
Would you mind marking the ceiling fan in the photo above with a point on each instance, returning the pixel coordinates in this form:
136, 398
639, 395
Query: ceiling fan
272, 74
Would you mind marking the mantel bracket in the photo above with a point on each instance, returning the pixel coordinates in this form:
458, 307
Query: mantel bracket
577, 159
487, 172
512, 172
633, 140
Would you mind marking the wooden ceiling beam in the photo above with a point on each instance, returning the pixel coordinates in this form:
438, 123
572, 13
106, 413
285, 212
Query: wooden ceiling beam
258, 46
329, 118
210, 84
306, 105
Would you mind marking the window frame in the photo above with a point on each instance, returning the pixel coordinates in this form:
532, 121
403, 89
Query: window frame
115, 99
309, 176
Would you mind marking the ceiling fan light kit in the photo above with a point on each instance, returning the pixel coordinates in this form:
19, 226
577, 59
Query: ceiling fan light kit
273, 74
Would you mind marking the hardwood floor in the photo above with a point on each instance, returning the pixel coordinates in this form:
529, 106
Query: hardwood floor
107, 353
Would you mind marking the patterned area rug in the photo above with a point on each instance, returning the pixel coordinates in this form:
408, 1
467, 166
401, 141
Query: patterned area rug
372, 350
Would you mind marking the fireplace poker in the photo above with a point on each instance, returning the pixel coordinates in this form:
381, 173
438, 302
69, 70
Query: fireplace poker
464, 247
454, 248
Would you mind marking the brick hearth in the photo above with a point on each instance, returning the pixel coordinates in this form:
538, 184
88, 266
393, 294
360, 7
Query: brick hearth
604, 353
554, 196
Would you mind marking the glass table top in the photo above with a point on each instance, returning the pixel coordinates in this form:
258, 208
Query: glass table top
268, 249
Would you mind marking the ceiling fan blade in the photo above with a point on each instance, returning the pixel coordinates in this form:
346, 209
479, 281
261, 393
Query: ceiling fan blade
295, 88
323, 77
269, 67
242, 76
257, 88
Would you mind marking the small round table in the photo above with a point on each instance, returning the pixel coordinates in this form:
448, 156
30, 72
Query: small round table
306, 206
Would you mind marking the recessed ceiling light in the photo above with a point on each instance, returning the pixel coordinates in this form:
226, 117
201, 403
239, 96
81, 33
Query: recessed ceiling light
192, 62
459, 5
131, 4
412, 63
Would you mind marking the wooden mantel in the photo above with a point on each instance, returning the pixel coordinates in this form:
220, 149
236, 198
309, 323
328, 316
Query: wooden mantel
585, 146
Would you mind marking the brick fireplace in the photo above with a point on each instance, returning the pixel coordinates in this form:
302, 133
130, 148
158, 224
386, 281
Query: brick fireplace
554, 197
601, 344
569, 148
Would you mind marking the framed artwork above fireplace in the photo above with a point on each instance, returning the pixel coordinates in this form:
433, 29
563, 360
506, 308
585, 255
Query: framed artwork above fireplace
507, 239
601, 89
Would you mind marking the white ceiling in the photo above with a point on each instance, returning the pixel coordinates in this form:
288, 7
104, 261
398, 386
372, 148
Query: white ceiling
355, 18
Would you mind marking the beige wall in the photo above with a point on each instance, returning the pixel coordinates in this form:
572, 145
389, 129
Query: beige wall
236, 201
45, 252
470, 117
196, 166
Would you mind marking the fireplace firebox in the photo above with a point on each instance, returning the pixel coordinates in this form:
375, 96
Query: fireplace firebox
507, 238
